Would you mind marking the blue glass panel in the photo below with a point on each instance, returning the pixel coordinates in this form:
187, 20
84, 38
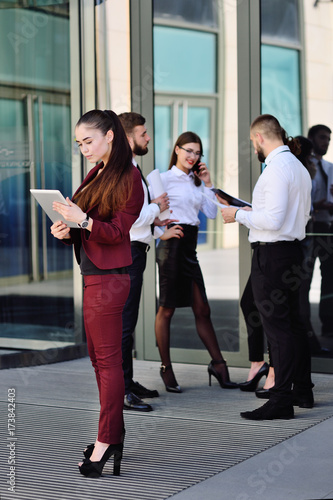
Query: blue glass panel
46, 37
57, 156
35, 55
184, 60
280, 87
14, 189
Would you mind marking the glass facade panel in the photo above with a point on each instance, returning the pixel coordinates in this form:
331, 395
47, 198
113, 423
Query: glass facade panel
191, 69
188, 11
186, 66
162, 136
279, 20
36, 285
46, 37
280, 86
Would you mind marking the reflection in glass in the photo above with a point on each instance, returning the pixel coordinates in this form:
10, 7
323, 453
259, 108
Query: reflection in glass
191, 69
36, 286
188, 11
279, 20
219, 266
319, 256
280, 86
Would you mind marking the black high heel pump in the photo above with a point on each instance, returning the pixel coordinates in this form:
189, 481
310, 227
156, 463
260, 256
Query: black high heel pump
251, 385
222, 378
87, 452
169, 388
95, 469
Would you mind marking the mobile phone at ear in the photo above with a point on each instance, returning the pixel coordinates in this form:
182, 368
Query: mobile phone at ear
195, 167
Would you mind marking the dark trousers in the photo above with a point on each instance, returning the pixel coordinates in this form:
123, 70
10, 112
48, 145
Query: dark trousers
275, 285
321, 247
131, 311
104, 299
255, 331
306, 278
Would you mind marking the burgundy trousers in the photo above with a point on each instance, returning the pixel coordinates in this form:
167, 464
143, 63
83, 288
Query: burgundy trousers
104, 300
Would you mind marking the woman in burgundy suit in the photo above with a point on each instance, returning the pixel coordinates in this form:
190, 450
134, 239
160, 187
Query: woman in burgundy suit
104, 207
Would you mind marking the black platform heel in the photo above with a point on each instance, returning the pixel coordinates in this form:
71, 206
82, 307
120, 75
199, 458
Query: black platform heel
223, 379
169, 388
251, 385
95, 469
87, 452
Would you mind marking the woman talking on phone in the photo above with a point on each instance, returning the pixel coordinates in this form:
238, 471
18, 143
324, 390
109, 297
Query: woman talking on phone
180, 278
104, 207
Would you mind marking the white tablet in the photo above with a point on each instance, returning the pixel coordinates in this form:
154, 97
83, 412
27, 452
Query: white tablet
45, 198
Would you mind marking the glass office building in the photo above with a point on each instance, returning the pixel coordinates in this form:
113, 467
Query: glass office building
209, 66
36, 277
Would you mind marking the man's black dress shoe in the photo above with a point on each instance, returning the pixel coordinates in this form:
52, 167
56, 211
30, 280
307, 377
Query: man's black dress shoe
263, 393
132, 402
269, 411
142, 392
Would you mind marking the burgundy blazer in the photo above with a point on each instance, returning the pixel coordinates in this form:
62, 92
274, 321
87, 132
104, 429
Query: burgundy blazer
108, 245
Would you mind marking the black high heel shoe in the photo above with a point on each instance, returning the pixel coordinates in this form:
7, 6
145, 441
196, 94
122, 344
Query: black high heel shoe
95, 469
223, 379
87, 452
251, 385
169, 388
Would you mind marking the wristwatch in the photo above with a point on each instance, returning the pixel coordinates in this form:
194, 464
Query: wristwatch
84, 224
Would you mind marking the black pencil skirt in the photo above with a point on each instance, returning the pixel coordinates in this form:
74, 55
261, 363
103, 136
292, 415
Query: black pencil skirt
179, 268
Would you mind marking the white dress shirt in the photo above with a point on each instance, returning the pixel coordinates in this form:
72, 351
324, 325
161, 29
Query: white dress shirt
141, 229
186, 199
281, 200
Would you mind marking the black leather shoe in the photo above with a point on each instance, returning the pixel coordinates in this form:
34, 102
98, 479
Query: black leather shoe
132, 402
269, 411
263, 393
142, 392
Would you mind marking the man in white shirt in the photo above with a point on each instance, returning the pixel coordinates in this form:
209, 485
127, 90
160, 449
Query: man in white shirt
280, 210
320, 136
141, 236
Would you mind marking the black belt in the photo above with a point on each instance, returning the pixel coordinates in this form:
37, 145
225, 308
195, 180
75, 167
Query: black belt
258, 243
140, 244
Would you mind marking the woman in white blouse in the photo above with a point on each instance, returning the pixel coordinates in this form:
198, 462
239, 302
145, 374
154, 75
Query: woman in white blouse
180, 278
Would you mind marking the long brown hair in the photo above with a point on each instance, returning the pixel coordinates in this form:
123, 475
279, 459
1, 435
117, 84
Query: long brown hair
111, 189
186, 138
270, 127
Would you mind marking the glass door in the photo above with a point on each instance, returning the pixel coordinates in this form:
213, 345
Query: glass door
36, 284
174, 115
